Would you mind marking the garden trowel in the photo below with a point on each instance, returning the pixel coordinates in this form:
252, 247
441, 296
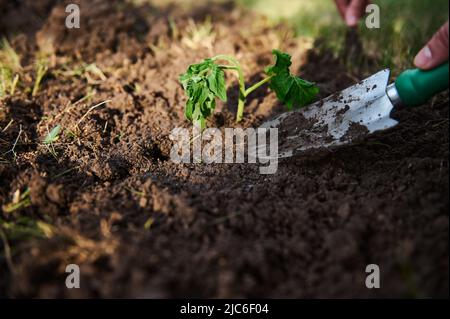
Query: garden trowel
355, 112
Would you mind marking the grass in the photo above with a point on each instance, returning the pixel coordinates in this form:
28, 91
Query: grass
52, 137
13, 148
20, 200
25, 227
8, 56
70, 106
64, 172
41, 68
9, 69
406, 25
90, 72
8, 81
94, 70
90, 110
198, 34
148, 224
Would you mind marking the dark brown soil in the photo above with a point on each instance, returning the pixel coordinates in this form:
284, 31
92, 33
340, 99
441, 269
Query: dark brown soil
211, 230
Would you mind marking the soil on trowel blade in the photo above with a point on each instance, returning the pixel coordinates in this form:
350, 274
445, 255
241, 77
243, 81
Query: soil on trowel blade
107, 197
355, 132
296, 132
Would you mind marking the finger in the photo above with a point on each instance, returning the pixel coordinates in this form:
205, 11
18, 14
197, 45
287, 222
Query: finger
342, 6
435, 52
355, 11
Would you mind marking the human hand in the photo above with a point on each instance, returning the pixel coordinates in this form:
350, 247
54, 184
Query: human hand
352, 10
435, 52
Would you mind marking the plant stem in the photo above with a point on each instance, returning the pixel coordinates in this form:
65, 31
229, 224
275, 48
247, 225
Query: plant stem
226, 58
243, 97
228, 67
243, 93
257, 85
237, 67
240, 108
200, 124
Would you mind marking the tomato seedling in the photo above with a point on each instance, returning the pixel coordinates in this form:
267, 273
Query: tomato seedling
205, 81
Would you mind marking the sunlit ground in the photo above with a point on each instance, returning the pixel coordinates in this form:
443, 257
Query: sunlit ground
405, 25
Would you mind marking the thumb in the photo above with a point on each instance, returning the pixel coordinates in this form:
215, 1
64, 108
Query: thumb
354, 12
435, 52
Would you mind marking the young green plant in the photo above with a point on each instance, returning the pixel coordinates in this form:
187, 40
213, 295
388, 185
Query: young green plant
205, 81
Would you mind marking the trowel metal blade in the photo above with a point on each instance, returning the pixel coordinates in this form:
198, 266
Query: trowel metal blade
364, 106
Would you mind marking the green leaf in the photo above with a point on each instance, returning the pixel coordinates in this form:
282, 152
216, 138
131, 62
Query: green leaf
53, 135
203, 83
290, 90
216, 82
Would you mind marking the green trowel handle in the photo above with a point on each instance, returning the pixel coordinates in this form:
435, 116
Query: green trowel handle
415, 87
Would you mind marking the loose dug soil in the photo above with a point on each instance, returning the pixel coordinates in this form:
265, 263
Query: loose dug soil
210, 230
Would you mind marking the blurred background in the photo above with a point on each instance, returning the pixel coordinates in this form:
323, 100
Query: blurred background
405, 25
